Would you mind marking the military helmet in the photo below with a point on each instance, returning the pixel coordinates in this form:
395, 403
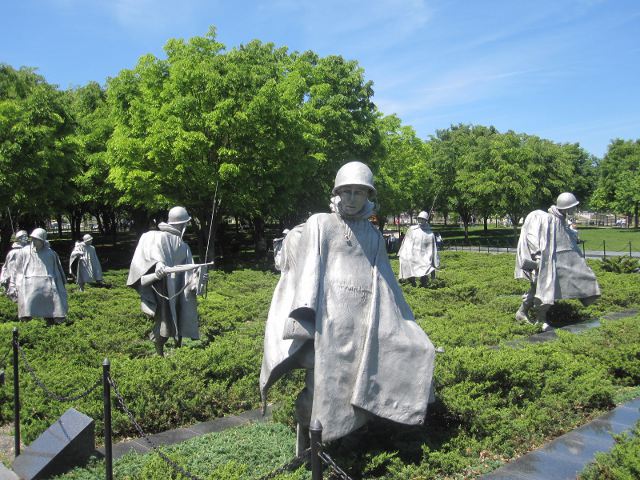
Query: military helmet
566, 200
424, 215
354, 173
178, 215
40, 234
87, 238
20, 234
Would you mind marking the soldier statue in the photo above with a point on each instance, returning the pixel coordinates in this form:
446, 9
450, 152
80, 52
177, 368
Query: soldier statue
548, 256
40, 281
339, 312
84, 264
419, 252
163, 273
8, 278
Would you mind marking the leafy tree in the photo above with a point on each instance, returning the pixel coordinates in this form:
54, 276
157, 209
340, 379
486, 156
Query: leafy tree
404, 180
95, 193
461, 157
260, 126
37, 150
619, 180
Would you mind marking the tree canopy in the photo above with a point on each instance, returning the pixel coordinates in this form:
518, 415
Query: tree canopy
263, 131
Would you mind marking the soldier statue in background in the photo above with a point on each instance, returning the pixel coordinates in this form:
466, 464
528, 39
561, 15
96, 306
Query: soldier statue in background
163, 273
8, 278
40, 281
548, 256
419, 252
84, 264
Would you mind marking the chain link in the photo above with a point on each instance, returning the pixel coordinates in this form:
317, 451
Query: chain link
292, 465
324, 456
141, 432
49, 393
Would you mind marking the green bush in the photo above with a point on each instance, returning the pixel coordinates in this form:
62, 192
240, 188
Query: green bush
621, 463
621, 265
492, 402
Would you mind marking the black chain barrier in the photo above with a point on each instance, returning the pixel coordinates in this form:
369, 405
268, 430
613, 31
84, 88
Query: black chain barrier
292, 465
142, 433
327, 460
49, 393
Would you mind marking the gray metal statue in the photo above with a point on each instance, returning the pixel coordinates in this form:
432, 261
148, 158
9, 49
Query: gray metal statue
548, 256
163, 273
277, 249
339, 312
84, 264
40, 281
419, 252
8, 272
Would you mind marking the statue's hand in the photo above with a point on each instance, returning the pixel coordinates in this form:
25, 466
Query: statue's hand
160, 271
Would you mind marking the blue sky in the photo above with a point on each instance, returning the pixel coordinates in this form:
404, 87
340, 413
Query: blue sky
566, 70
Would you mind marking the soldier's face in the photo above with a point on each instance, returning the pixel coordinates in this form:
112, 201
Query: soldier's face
37, 243
353, 198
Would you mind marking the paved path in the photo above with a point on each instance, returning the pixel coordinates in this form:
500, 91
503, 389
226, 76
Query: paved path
566, 456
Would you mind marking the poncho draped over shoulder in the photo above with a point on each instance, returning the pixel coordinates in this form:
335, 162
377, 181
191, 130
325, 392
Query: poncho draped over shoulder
40, 283
418, 253
8, 274
178, 316
562, 272
87, 268
370, 355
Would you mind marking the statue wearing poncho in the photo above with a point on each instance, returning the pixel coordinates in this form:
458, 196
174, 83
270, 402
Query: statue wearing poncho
550, 259
339, 312
41, 281
419, 253
8, 274
170, 299
84, 263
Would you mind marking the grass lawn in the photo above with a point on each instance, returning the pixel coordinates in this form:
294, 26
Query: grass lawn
616, 239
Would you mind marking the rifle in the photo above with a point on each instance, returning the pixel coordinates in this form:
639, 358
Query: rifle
152, 277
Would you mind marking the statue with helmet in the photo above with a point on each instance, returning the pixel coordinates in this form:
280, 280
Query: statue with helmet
419, 252
339, 313
549, 257
163, 273
8, 277
40, 281
84, 265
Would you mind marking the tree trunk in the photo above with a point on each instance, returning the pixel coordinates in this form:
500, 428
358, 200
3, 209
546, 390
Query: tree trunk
486, 224
5, 235
140, 221
635, 215
259, 239
381, 223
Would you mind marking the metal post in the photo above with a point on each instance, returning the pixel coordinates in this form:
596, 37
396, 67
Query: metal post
315, 430
630, 254
106, 392
604, 249
584, 253
16, 394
